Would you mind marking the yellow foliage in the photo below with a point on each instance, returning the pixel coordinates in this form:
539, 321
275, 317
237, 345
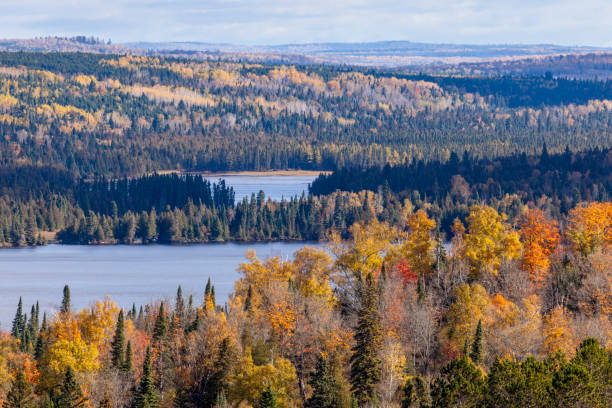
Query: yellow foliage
7, 101
470, 305
418, 248
558, 333
489, 240
366, 250
590, 227
97, 325
250, 380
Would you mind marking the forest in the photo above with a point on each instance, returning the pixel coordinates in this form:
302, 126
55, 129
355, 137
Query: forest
390, 317
107, 115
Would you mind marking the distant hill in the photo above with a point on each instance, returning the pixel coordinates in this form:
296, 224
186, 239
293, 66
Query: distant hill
483, 60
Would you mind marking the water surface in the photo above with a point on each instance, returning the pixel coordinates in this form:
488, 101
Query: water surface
138, 273
275, 186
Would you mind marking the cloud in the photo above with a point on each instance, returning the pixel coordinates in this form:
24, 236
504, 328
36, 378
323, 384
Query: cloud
287, 21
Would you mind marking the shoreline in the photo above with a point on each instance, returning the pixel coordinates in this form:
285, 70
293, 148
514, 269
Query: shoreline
249, 173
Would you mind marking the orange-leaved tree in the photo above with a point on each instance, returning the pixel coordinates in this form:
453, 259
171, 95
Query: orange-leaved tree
540, 237
589, 227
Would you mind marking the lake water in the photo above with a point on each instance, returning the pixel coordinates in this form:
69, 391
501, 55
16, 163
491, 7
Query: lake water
128, 274
275, 187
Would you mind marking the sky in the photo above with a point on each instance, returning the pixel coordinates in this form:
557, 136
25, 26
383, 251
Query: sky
271, 22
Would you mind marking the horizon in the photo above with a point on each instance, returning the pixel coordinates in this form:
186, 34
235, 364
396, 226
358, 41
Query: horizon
274, 22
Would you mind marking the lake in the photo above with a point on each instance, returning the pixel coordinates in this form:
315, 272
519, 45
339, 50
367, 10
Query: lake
128, 274
275, 186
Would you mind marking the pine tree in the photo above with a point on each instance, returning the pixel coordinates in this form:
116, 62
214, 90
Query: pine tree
267, 399
477, 347
146, 394
118, 342
325, 387
460, 384
129, 356
180, 305
65, 308
466, 347
416, 393
20, 395
161, 324
71, 395
18, 323
365, 363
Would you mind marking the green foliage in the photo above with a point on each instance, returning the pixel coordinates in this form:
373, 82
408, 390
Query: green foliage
21, 394
267, 399
70, 393
460, 384
146, 394
365, 363
118, 343
477, 351
325, 387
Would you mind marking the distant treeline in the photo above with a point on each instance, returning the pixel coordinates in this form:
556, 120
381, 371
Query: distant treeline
159, 208
556, 182
108, 115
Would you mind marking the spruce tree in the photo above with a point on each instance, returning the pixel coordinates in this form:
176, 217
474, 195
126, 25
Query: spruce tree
65, 308
460, 384
416, 393
477, 348
20, 395
325, 387
71, 395
146, 394
129, 355
267, 399
161, 324
365, 363
118, 342
18, 323
180, 305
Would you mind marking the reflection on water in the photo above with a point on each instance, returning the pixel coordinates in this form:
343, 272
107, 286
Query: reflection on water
128, 274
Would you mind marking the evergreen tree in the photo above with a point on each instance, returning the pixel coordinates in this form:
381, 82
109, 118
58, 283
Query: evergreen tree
460, 384
18, 321
267, 399
118, 342
146, 394
325, 387
129, 356
20, 395
66, 307
365, 363
71, 394
416, 393
180, 305
476, 353
161, 324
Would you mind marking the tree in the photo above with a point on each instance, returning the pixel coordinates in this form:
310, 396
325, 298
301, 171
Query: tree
489, 240
268, 399
416, 393
470, 303
365, 363
589, 227
540, 238
18, 321
161, 324
118, 342
146, 394
325, 387
70, 395
477, 351
129, 356
460, 384
20, 395
66, 308
418, 249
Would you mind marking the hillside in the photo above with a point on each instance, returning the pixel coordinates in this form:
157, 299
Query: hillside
96, 114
